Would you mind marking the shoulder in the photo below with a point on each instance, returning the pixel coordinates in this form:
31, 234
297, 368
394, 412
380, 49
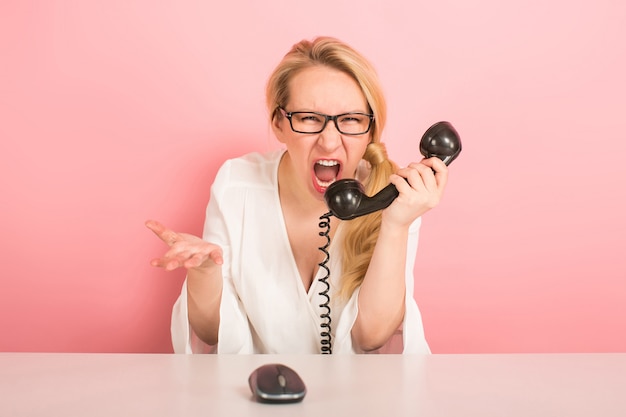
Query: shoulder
251, 169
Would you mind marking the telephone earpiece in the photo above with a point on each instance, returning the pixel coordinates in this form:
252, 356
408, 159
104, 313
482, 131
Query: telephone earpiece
441, 140
346, 198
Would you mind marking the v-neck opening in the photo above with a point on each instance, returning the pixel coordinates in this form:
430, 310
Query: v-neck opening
308, 292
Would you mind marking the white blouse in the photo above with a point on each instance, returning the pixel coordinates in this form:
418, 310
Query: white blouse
264, 306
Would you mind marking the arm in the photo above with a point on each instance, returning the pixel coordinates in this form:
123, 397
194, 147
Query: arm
203, 262
382, 294
383, 291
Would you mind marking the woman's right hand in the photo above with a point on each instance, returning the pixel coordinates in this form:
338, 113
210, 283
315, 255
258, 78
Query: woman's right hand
186, 251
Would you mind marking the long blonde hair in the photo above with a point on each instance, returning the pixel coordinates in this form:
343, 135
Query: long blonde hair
360, 234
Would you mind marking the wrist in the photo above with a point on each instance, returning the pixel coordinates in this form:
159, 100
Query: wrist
394, 229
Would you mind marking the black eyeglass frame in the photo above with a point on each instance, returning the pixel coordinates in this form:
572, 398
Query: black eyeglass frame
326, 117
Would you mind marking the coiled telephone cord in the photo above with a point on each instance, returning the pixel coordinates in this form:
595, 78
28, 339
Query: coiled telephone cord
326, 342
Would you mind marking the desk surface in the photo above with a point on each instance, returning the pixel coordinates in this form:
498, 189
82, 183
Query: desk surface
33, 384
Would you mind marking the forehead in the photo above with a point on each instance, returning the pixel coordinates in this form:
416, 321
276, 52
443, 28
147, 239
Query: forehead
325, 89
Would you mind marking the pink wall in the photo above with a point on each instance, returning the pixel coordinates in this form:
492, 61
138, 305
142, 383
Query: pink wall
115, 112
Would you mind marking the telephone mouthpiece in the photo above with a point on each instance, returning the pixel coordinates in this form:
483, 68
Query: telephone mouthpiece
343, 197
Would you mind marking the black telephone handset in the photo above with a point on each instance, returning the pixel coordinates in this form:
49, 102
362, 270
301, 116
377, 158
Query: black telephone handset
346, 198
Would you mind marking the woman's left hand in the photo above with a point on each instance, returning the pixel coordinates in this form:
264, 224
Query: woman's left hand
420, 186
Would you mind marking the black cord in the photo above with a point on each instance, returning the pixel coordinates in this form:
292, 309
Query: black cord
325, 341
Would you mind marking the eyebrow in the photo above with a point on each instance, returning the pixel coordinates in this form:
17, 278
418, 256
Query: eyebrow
321, 112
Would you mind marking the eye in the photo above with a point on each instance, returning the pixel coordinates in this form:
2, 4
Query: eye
352, 118
309, 118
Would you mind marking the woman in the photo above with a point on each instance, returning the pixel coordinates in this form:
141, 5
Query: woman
254, 282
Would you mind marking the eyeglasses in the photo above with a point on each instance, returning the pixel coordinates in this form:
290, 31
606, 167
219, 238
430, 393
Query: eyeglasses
312, 122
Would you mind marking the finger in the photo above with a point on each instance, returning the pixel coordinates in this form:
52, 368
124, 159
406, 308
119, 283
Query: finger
166, 263
435, 163
195, 261
440, 169
191, 256
172, 264
413, 178
199, 258
154, 225
217, 257
166, 235
400, 181
172, 259
423, 176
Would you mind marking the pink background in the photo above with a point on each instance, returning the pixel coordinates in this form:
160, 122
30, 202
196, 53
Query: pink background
115, 112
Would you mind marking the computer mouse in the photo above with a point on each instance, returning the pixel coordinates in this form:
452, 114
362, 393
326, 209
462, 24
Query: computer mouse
276, 383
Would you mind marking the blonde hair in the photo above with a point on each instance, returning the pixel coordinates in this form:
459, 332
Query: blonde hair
360, 234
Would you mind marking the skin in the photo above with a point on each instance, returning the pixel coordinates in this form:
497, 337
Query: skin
382, 295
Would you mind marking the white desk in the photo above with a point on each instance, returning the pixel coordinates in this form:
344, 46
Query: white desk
590, 385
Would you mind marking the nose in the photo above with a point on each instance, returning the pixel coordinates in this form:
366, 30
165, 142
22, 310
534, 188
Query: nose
330, 138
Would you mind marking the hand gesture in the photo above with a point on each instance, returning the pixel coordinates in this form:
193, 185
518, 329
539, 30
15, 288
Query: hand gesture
186, 251
421, 185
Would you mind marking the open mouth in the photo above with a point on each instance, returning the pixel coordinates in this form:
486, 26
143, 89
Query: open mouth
326, 172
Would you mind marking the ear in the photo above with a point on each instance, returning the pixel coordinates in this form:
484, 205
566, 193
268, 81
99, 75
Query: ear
278, 121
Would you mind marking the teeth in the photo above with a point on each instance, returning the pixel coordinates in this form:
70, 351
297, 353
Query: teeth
327, 163
324, 183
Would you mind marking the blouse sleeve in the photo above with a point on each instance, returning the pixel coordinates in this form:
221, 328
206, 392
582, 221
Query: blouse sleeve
409, 338
184, 340
236, 338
